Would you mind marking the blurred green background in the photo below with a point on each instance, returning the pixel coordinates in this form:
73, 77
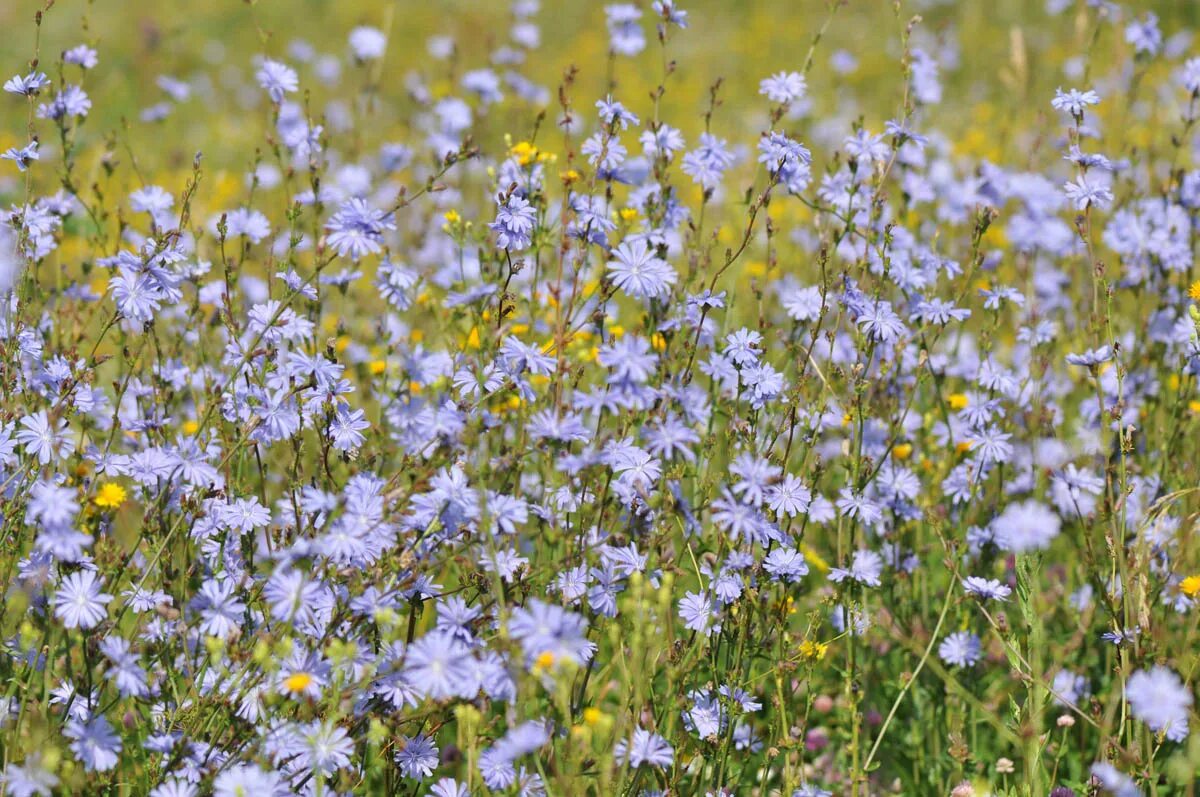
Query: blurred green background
740, 40
1000, 61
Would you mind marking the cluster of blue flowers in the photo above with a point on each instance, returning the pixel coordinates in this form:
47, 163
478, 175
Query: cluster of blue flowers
614, 459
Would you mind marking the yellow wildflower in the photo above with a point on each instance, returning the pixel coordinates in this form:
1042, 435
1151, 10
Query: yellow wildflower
814, 558
110, 496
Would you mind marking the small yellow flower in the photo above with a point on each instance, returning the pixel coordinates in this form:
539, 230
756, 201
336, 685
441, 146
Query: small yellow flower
814, 558
110, 496
191, 427
1190, 586
544, 661
957, 401
452, 217
902, 451
592, 715
628, 214
526, 153
813, 651
569, 176
963, 446
297, 682
1194, 291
